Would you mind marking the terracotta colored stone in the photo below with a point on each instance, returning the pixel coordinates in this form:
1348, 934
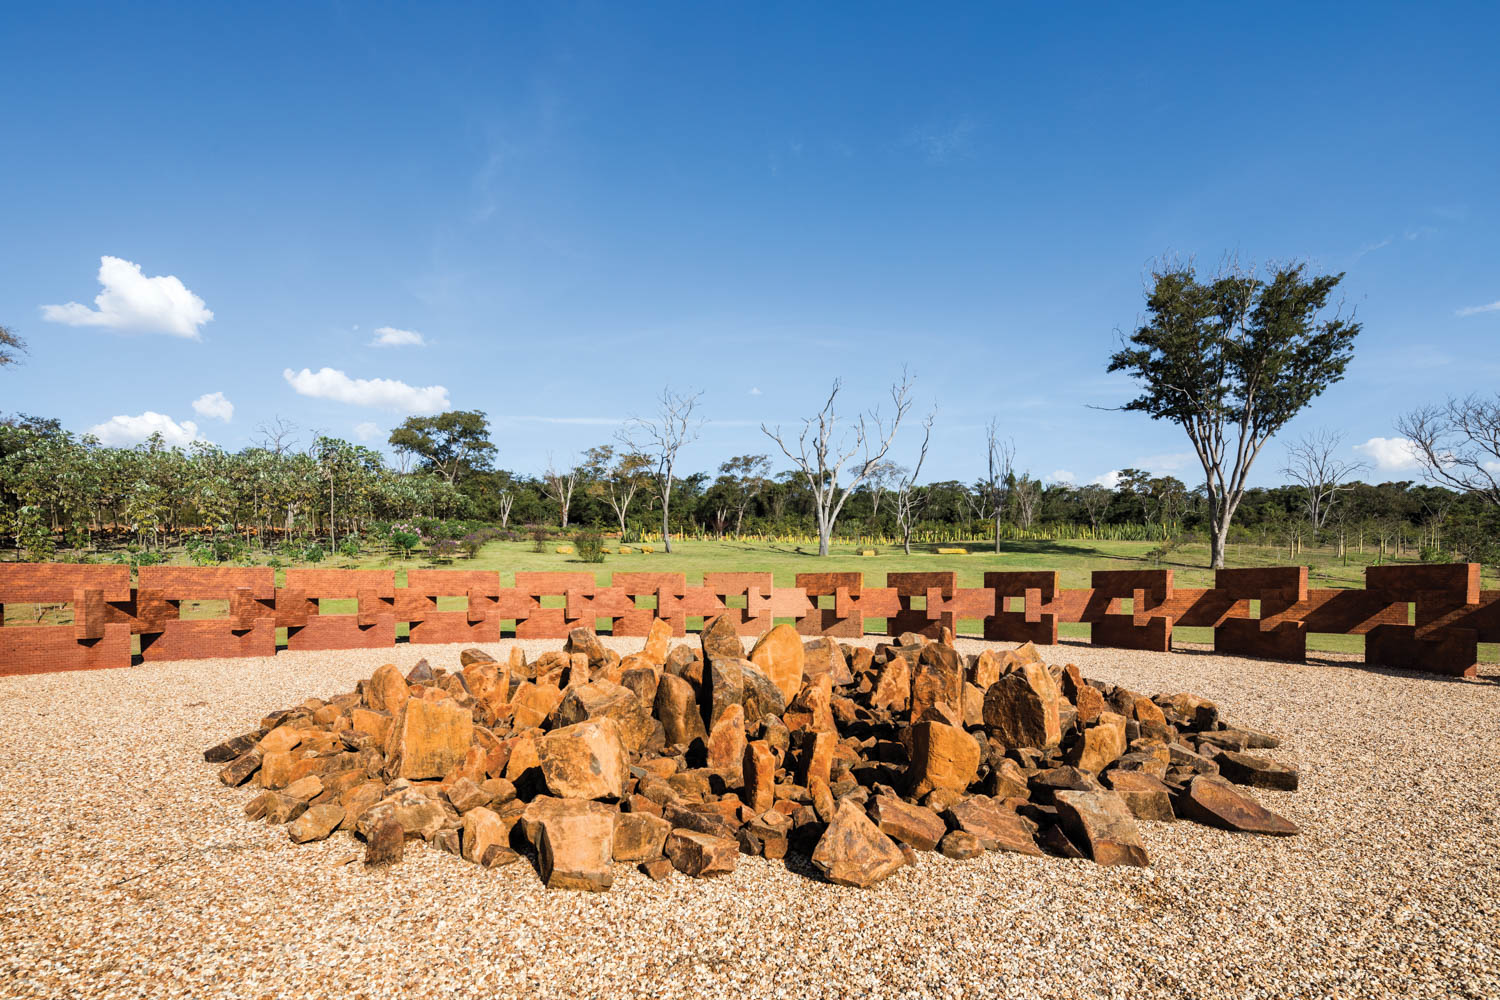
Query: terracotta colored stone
1101, 745
726, 745
960, 846
305, 788
942, 756
813, 706
604, 700
533, 703
822, 656
575, 847
816, 758
1213, 801
386, 690
719, 639
910, 824
1101, 824
316, 823
1090, 704
997, 828
1257, 772
658, 638
893, 688
1144, 795
701, 854
428, 739
853, 851
676, 707
723, 686
760, 696
239, 770
759, 777
385, 844
779, 654
276, 770
657, 870
584, 761
482, 829
639, 836
1021, 708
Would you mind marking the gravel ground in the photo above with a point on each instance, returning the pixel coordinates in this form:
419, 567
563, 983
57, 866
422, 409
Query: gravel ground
127, 869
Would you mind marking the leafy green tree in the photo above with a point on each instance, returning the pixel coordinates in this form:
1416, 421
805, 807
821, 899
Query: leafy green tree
450, 444
1231, 360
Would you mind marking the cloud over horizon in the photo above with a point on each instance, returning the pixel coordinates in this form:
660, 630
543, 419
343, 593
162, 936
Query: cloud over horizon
1476, 310
390, 336
214, 405
123, 431
390, 394
1390, 454
132, 302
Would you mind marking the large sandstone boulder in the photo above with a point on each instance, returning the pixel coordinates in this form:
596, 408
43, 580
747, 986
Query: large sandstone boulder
575, 847
602, 699
996, 828
1213, 801
853, 851
584, 761
914, 825
1021, 708
780, 656
701, 854
1100, 822
428, 739
1101, 745
677, 709
719, 639
942, 756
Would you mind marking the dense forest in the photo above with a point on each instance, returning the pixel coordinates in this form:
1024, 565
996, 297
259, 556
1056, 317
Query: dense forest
66, 497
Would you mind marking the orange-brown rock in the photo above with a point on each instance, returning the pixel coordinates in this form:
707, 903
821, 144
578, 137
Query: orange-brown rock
759, 777
701, 854
482, 828
575, 847
943, 756
428, 738
533, 703
780, 656
584, 761
1101, 824
658, 638
726, 745
853, 851
386, 690
1101, 745
639, 836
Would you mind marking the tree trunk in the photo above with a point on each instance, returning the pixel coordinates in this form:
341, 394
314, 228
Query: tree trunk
997, 534
666, 536
1217, 535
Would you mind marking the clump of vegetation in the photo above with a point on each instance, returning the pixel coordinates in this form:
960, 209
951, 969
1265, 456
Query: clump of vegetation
538, 538
443, 550
590, 546
405, 538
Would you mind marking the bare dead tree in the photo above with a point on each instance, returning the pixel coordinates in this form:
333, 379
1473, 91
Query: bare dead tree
11, 346
1095, 500
882, 479
909, 501
559, 486
660, 440
1001, 458
823, 451
505, 499
278, 436
1458, 444
1026, 496
1313, 463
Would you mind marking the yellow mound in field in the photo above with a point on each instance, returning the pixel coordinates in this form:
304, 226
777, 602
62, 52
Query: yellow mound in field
565, 550
953, 552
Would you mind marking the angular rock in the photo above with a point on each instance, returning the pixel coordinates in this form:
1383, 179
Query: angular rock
657, 870
602, 699
316, 824
821, 656
428, 738
386, 690
701, 854
639, 836
853, 851
240, 770
1257, 772
910, 824
1101, 745
960, 846
532, 703
676, 707
658, 638
719, 639
584, 761
385, 843
780, 656
575, 847
1144, 795
1021, 708
1213, 801
723, 686
758, 772
1103, 826
726, 746
760, 695
222, 753
466, 795
942, 756
997, 828
482, 829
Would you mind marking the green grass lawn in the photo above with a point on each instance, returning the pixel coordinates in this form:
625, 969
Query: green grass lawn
1074, 561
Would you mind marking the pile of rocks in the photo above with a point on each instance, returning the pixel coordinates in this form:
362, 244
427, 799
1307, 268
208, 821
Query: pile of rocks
684, 758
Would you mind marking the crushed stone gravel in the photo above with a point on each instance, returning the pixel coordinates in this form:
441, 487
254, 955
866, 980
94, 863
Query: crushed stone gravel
128, 870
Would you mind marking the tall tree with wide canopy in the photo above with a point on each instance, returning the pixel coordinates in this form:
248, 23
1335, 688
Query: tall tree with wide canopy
1231, 360
449, 443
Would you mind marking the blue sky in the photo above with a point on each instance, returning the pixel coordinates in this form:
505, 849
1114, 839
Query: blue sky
573, 205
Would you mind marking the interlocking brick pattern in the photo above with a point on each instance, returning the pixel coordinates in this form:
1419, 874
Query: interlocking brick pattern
1429, 617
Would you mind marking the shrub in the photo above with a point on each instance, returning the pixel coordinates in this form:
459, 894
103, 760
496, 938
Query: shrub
314, 553
404, 540
538, 538
443, 550
349, 547
590, 546
472, 543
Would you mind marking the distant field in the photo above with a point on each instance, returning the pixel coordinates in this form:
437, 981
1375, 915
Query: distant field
1074, 561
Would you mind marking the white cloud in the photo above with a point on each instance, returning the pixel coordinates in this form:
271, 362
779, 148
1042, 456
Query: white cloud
366, 430
131, 301
215, 406
123, 430
1389, 454
1110, 480
1061, 476
755, 390
389, 336
391, 394
1476, 310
